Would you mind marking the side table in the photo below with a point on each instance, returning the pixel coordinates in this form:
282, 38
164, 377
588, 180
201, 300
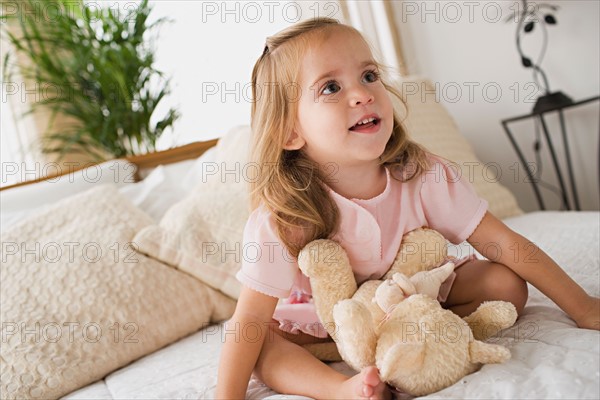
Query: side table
557, 169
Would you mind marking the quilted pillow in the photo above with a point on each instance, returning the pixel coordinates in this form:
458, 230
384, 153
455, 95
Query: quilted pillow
78, 302
202, 234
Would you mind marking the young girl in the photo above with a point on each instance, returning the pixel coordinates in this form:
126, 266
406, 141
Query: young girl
339, 165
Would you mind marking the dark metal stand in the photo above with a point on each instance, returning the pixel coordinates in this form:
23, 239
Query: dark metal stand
540, 114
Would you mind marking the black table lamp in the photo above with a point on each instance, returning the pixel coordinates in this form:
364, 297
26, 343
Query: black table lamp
529, 17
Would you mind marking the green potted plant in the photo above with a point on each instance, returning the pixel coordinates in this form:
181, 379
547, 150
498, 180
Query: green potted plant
98, 65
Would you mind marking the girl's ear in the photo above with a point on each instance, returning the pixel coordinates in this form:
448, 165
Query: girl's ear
294, 142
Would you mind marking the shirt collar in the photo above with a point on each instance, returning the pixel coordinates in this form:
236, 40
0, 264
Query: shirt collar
362, 202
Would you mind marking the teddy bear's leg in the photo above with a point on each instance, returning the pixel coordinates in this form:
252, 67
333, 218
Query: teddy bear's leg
490, 318
365, 295
396, 357
401, 356
356, 337
327, 266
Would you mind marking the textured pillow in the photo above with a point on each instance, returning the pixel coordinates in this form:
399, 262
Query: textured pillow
429, 124
202, 234
78, 302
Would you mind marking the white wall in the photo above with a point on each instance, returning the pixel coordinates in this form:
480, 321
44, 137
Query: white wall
209, 50
464, 45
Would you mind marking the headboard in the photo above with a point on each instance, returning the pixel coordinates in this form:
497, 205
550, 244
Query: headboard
142, 162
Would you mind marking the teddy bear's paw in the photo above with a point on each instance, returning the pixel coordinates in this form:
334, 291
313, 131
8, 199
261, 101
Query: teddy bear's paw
321, 256
490, 318
355, 334
486, 353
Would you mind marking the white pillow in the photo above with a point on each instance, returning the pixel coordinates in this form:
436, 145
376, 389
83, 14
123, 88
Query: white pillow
167, 184
19, 202
230, 166
51, 190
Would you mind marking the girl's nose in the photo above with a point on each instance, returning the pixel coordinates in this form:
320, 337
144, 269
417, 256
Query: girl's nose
361, 96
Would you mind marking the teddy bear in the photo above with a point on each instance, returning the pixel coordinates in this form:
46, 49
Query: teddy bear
396, 323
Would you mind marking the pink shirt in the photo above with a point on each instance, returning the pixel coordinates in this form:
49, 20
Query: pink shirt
370, 230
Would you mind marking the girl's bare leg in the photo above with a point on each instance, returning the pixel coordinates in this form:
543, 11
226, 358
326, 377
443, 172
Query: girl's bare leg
481, 280
286, 367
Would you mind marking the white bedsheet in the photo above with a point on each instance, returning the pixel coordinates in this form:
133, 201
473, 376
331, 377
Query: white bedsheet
551, 358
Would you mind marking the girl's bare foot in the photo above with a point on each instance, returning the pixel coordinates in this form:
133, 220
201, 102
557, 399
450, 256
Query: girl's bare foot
366, 385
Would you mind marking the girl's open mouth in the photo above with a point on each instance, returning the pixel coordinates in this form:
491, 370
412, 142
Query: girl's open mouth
367, 125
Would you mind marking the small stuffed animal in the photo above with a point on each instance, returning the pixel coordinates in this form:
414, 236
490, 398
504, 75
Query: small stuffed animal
397, 288
418, 347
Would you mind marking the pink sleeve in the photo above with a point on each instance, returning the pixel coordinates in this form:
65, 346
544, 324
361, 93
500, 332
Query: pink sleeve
267, 267
449, 201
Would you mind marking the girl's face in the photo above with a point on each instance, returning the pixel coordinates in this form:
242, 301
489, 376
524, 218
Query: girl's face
345, 115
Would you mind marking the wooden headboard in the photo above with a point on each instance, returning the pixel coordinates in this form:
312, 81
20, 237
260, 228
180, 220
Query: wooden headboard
176, 154
143, 162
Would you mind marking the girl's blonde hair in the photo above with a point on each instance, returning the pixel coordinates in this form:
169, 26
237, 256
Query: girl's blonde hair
289, 183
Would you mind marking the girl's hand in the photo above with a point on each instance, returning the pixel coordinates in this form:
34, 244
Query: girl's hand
589, 318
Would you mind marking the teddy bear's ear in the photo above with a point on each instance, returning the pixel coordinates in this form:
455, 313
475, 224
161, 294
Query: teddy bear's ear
486, 353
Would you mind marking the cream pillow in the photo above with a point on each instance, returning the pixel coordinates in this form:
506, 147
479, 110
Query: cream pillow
202, 234
78, 302
230, 168
429, 124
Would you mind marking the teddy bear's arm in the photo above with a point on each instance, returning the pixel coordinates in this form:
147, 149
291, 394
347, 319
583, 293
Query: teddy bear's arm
327, 266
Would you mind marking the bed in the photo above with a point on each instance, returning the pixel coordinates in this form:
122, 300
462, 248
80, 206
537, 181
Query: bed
107, 294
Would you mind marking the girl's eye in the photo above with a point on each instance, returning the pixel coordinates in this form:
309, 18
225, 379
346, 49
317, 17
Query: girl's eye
330, 88
371, 76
